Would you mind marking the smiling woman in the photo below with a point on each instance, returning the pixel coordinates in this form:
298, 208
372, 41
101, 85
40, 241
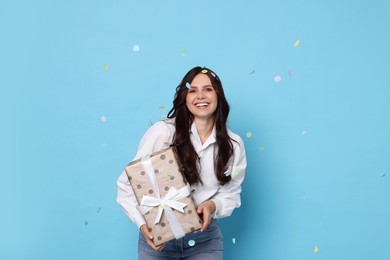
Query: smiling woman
209, 153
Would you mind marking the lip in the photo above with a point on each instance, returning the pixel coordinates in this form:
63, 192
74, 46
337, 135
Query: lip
201, 104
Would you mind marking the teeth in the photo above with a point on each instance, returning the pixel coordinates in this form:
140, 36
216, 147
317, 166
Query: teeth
201, 105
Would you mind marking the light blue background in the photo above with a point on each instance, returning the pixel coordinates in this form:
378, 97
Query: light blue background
319, 167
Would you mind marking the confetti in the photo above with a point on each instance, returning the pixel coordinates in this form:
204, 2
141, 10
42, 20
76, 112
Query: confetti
262, 148
99, 210
136, 48
183, 53
236, 172
277, 78
103, 119
105, 67
188, 85
249, 134
296, 43
162, 107
382, 174
234, 240
316, 249
204, 71
253, 71
289, 73
303, 132
227, 173
191, 243
86, 223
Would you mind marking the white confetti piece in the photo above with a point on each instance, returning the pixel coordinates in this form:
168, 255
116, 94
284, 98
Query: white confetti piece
234, 240
103, 119
136, 48
303, 132
191, 243
277, 78
227, 173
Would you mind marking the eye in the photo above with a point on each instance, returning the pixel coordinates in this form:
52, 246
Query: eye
209, 89
191, 90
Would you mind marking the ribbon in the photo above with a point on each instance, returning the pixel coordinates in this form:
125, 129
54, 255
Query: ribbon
169, 202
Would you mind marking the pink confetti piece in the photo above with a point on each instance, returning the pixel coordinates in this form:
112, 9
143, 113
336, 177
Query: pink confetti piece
103, 119
277, 78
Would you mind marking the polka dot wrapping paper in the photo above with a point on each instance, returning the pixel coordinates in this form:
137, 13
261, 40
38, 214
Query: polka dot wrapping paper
168, 174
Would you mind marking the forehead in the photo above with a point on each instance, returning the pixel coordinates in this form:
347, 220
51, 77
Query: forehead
201, 80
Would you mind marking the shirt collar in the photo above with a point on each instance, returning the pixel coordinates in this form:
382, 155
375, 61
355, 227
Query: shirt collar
211, 139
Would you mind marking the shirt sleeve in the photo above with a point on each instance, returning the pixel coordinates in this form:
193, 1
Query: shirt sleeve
156, 138
228, 196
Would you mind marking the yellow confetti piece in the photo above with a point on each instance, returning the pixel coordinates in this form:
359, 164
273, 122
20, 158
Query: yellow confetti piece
162, 107
105, 67
262, 148
183, 53
316, 249
204, 71
161, 206
249, 134
297, 42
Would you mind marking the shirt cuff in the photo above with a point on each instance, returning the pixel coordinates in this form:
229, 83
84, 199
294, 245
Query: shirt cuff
218, 207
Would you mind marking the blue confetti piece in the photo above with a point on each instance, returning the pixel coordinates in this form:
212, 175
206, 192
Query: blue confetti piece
188, 85
191, 243
382, 174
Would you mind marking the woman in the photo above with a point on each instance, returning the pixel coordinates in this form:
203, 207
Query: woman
214, 162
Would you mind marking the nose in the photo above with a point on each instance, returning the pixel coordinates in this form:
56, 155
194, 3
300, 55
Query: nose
200, 95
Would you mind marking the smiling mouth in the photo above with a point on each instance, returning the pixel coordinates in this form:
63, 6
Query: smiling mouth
201, 105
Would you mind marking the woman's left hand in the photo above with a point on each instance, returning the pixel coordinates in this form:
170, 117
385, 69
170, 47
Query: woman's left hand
205, 209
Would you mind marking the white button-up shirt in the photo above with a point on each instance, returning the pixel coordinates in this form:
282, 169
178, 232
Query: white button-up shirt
226, 197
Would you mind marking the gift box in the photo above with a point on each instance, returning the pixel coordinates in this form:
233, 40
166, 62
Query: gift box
163, 195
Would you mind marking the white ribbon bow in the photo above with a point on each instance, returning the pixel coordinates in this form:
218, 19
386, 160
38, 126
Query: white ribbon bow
170, 200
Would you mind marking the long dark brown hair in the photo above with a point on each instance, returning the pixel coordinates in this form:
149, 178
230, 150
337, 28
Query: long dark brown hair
183, 120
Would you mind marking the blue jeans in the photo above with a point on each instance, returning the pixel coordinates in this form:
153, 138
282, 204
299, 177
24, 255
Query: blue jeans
194, 246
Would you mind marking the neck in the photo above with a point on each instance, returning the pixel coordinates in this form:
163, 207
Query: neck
204, 127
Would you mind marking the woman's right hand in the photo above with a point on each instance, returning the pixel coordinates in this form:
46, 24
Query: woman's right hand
149, 238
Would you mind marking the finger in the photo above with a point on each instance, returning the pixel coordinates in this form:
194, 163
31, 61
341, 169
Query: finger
145, 231
206, 220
